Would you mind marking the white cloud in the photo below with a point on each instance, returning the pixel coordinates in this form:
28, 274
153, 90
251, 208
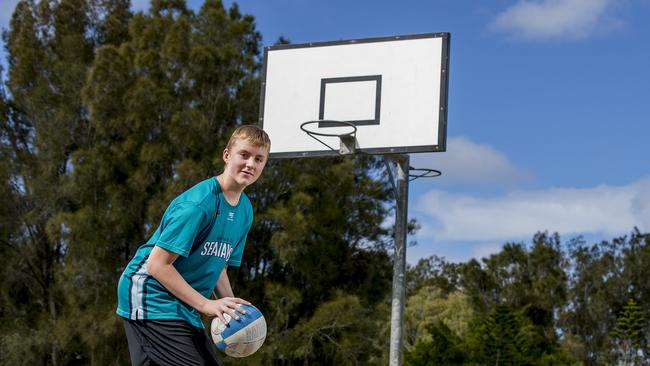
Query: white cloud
467, 162
604, 210
554, 19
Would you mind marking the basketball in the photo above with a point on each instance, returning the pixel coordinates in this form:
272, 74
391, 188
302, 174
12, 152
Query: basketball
240, 338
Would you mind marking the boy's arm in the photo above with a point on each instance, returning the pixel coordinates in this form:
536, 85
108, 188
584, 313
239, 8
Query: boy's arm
160, 266
223, 285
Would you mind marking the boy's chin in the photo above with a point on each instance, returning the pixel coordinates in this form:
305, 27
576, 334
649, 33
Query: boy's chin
245, 181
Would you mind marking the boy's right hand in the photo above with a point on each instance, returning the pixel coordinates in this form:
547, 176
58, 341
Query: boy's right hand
225, 305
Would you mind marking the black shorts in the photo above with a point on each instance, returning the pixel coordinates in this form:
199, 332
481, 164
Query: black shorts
169, 342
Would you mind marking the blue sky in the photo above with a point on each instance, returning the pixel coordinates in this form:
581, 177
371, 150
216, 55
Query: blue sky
549, 112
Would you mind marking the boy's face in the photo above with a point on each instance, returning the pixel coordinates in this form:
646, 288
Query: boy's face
245, 162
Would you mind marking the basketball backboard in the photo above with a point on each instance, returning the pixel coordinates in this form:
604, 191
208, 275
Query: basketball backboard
393, 89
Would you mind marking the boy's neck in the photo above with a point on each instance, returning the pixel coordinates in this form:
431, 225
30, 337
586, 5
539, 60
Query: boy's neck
231, 190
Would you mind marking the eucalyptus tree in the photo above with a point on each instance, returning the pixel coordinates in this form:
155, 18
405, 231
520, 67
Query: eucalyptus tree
49, 50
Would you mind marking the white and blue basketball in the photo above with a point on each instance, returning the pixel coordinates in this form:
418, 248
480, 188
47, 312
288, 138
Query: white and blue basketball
240, 338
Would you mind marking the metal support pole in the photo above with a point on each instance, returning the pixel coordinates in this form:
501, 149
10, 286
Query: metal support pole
399, 265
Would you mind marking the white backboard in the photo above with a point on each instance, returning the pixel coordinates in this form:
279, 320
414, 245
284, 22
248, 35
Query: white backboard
394, 89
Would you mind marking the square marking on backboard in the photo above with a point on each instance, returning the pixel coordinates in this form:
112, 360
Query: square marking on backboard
351, 99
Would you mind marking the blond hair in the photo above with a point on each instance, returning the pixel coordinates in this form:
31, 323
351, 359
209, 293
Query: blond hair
253, 134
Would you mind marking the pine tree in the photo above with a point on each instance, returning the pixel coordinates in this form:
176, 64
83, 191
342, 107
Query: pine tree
629, 335
502, 341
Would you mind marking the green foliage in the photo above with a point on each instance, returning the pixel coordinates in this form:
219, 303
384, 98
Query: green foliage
521, 276
515, 296
533, 281
433, 271
504, 337
604, 276
628, 335
341, 331
442, 349
48, 53
430, 306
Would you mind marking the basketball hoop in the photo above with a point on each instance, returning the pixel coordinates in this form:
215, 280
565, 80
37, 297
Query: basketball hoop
347, 139
415, 173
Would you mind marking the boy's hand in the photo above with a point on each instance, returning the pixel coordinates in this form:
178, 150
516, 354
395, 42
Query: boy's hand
225, 305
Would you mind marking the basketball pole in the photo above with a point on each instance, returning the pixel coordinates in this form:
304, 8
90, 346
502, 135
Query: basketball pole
399, 264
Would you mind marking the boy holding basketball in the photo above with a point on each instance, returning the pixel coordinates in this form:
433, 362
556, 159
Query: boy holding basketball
167, 285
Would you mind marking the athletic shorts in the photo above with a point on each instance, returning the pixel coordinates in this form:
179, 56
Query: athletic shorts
169, 342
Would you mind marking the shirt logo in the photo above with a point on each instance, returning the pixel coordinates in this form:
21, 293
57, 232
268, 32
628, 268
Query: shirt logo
217, 249
231, 216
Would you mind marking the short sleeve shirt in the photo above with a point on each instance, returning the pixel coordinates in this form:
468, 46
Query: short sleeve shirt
207, 233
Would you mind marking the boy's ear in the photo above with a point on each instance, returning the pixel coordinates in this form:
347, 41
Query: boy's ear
226, 155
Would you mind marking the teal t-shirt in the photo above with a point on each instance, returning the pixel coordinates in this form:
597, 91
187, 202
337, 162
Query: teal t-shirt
207, 233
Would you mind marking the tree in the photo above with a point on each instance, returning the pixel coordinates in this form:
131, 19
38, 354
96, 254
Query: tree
628, 335
532, 279
341, 331
430, 306
604, 275
13, 291
433, 271
443, 348
522, 291
48, 55
636, 260
502, 338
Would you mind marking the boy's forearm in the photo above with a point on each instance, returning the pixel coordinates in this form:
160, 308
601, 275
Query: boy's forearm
160, 266
223, 285
169, 277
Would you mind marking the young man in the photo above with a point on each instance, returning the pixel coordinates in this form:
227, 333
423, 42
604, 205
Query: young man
168, 283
